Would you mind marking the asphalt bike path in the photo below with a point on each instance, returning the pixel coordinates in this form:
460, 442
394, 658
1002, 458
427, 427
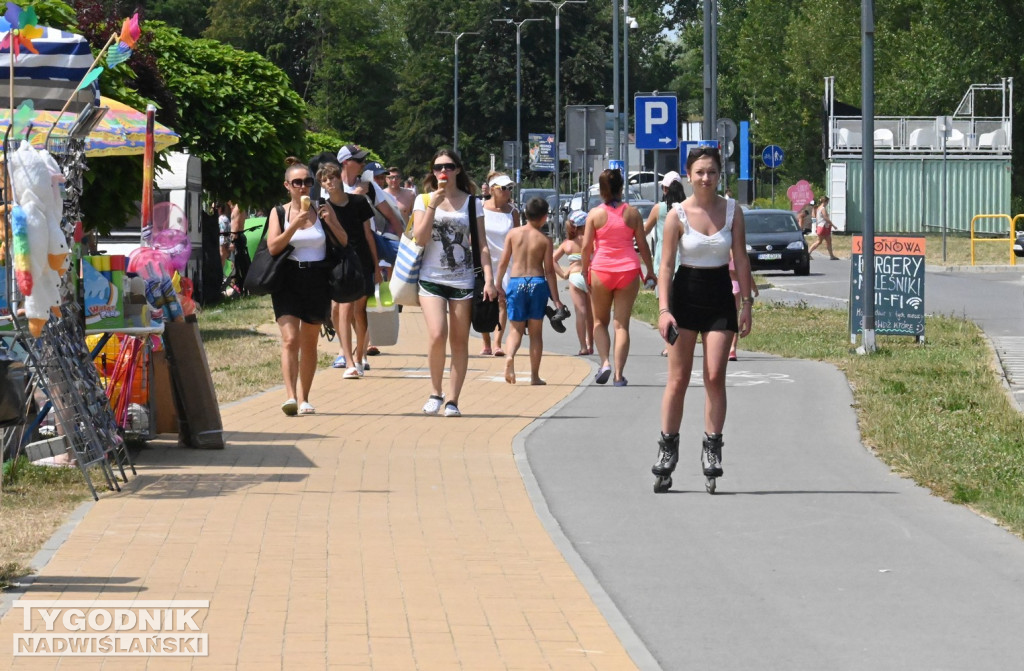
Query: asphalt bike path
811, 554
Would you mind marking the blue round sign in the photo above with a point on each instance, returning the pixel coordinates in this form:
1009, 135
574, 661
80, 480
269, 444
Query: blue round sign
773, 155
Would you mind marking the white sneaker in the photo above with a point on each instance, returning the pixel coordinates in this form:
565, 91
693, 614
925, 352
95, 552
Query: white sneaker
451, 410
352, 374
433, 404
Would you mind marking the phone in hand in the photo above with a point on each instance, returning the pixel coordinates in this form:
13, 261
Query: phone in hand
673, 334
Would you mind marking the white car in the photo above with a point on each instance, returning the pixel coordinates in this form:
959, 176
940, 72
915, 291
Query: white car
646, 183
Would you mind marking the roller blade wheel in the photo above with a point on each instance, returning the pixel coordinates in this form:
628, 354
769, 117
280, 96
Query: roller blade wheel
662, 483
710, 484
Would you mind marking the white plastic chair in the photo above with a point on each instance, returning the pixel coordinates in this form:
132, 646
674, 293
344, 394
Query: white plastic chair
884, 138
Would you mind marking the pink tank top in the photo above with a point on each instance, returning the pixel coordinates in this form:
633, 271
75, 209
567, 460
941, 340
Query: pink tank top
613, 244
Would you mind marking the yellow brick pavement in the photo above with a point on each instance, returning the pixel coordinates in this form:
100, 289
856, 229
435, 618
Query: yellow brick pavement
367, 536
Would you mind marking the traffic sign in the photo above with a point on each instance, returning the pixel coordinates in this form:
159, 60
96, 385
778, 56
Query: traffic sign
656, 122
773, 156
686, 146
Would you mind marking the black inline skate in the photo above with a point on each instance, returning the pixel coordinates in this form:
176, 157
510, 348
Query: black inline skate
711, 460
668, 456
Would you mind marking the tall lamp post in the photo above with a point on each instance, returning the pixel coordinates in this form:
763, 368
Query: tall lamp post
558, 10
518, 159
629, 23
458, 36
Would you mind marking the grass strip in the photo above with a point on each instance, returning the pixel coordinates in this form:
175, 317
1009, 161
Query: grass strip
935, 412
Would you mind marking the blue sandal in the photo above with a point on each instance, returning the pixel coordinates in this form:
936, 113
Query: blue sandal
339, 362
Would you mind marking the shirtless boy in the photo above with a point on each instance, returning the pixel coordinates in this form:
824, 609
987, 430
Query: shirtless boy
531, 283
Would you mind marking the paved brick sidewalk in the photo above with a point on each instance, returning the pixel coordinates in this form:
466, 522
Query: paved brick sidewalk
366, 536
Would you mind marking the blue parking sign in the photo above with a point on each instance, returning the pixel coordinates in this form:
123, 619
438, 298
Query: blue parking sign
686, 146
657, 125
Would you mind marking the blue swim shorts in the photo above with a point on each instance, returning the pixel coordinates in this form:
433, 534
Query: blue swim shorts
527, 297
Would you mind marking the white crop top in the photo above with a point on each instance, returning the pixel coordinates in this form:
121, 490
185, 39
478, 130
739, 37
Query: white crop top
706, 251
310, 244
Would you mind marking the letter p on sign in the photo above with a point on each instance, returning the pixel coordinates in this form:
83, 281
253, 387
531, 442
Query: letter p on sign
657, 115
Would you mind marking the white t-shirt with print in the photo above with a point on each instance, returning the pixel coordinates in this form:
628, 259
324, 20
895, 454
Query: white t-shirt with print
448, 256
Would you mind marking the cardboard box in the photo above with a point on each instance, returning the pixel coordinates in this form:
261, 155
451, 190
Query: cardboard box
161, 393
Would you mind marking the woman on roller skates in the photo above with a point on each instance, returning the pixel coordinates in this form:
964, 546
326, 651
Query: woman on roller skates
697, 299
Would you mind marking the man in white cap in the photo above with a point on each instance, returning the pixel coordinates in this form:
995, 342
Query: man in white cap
352, 159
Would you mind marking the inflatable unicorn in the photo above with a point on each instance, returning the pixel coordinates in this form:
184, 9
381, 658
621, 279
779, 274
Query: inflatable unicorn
40, 248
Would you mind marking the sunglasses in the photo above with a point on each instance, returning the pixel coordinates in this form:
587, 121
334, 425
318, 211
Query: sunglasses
299, 183
703, 151
438, 167
394, 177
507, 187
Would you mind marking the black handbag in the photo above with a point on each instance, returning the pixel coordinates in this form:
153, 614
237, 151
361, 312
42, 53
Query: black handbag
265, 271
485, 312
346, 281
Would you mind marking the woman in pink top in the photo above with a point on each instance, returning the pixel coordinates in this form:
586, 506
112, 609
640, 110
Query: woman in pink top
611, 267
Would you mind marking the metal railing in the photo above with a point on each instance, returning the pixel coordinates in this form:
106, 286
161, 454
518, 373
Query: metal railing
919, 135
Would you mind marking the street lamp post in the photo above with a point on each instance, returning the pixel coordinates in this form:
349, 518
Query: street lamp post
629, 23
558, 10
458, 36
518, 159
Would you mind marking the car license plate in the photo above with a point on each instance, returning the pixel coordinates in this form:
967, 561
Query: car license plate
769, 257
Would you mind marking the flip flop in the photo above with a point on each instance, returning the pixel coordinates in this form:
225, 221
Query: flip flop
339, 362
499, 352
306, 409
620, 382
486, 352
290, 407
372, 351
603, 374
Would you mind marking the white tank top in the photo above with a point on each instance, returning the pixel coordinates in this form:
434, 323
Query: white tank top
310, 243
706, 251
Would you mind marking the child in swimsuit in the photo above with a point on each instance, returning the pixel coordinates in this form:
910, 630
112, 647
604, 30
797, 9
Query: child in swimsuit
578, 291
528, 258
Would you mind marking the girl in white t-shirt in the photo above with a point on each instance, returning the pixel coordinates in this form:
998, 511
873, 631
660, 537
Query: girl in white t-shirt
442, 228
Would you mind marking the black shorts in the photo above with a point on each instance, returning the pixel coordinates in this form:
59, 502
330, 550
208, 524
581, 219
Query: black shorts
303, 293
702, 299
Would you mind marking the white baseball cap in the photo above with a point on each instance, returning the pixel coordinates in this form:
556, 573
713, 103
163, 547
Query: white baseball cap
671, 176
500, 180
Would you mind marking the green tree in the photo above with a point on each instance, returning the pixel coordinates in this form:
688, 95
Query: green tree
236, 111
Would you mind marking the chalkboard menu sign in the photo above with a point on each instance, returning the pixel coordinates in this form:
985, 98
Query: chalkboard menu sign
899, 286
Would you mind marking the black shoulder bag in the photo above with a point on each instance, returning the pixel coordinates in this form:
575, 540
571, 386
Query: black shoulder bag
346, 280
485, 312
265, 271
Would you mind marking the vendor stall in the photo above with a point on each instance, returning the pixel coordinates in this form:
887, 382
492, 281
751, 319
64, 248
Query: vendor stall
54, 108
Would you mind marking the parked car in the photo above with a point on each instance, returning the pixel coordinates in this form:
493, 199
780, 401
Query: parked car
1018, 246
647, 184
775, 241
526, 194
644, 206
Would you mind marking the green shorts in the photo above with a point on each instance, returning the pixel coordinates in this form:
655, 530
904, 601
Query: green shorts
444, 291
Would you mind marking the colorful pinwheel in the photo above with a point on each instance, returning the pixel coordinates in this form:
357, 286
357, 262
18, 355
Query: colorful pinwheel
19, 28
123, 49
